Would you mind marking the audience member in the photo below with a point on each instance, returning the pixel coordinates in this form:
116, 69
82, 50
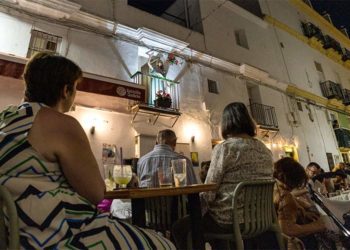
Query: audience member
312, 169
204, 170
294, 215
51, 172
162, 154
340, 181
240, 157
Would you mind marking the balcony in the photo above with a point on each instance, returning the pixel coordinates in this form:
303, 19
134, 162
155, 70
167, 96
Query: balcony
311, 30
346, 97
153, 84
265, 116
331, 90
330, 42
343, 137
346, 55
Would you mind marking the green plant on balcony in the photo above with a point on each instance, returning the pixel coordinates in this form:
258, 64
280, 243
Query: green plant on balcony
163, 99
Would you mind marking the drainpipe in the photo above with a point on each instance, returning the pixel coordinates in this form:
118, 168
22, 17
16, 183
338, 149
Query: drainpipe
308, 152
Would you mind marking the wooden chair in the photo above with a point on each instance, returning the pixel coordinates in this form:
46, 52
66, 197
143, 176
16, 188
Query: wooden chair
258, 213
9, 236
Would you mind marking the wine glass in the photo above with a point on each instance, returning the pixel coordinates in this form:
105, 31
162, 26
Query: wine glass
122, 175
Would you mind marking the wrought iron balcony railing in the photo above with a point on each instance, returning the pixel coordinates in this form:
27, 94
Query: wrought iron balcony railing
154, 84
311, 30
346, 97
330, 42
264, 115
331, 90
346, 55
343, 137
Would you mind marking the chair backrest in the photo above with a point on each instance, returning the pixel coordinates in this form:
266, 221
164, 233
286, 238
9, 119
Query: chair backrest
162, 212
258, 208
9, 235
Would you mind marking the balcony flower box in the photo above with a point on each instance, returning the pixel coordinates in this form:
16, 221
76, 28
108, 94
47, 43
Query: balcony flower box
163, 99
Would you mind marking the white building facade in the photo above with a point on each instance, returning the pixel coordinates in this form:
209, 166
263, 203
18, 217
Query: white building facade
225, 52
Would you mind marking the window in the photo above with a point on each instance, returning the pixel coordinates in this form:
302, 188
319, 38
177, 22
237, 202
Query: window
213, 87
241, 38
345, 157
330, 161
43, 42
300, 107
320, 73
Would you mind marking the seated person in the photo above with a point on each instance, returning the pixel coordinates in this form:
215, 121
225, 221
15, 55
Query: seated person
294, 214
204, 170
240, 157
340, 181
163, 153
49, 168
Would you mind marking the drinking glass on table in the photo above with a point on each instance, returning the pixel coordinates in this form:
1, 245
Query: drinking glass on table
122, 175
165, 176
179, 171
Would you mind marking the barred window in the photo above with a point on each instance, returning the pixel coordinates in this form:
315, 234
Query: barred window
43, 42
213, 86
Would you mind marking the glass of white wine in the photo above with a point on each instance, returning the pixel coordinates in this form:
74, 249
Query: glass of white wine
122, 175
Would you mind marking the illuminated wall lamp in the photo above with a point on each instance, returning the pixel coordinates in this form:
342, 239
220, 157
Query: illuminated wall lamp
192, 138
92, 130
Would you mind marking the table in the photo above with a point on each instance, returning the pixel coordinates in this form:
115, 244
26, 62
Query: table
138, 196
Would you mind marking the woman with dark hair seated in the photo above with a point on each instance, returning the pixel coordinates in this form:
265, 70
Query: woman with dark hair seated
47, 164
238, 158
294, 215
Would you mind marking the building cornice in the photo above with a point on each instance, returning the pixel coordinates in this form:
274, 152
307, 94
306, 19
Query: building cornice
58, 9
325, 25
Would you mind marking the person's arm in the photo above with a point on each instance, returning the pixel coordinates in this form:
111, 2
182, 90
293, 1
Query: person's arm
287, 216
215, 172
74, 154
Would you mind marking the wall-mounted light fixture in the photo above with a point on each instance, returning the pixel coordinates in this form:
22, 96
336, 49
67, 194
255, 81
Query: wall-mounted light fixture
92, 130
192, 138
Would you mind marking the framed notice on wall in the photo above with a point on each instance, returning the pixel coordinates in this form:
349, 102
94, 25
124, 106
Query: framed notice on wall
194, 159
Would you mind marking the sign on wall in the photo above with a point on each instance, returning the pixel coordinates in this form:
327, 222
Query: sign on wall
111, 89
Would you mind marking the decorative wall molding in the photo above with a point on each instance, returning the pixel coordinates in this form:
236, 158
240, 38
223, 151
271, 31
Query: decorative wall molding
93, 21
57, 9
253, 72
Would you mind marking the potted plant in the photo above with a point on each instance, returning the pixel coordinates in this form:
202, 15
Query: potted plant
171, 59
163, 99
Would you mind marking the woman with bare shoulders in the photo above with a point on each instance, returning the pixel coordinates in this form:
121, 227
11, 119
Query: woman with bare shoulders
47, 164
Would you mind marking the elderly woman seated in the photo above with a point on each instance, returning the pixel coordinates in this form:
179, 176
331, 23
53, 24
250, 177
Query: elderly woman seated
294, 214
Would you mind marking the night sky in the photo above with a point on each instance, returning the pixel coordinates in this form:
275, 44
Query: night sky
338, 9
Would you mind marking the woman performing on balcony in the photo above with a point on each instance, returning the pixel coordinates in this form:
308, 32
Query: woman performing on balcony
47, 164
